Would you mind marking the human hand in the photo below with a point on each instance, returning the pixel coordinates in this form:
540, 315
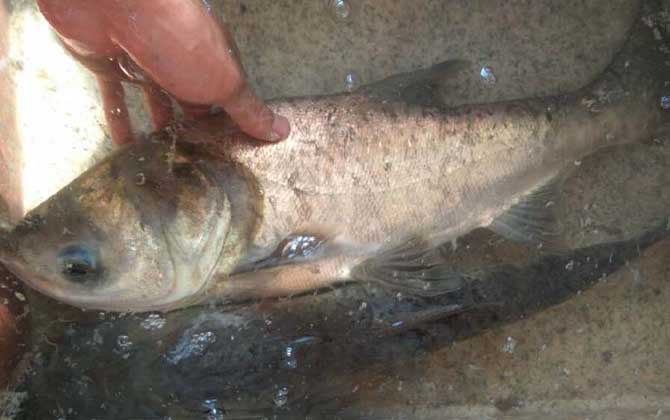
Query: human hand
173, 47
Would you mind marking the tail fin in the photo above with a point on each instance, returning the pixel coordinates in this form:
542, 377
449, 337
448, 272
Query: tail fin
553, 278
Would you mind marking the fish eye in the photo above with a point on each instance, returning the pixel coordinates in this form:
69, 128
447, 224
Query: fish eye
79, 262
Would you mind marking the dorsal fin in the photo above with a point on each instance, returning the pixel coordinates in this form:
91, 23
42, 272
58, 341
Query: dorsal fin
418, 87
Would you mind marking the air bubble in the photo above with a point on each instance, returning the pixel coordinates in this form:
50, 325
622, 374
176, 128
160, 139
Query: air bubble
487, 75
290, 360
193, 345
97, 339
290, 356
665, 102
140, 179
510, 345
153, 322
212, 410
123, 345
341, 9
281, 397
123, 342
351, 81
201, 340
208, 6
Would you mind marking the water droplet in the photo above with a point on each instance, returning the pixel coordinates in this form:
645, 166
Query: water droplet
153, 322
487, 75
208, 7
509, 345
341, 9
123, 345
123, 342
97, 340
301, 246
130, 69
290, 359
212, 410
140, 178
194, 345
291, 350
201, 340
351, 81
281, 397
665, 102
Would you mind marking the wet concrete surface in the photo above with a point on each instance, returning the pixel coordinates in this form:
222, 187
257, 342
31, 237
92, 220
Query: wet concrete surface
601, 355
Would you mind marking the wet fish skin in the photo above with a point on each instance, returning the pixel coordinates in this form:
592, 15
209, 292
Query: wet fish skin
164, 223
397, 170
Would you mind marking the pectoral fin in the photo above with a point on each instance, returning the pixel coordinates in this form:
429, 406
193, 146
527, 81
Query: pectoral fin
282, 280
533, 220
415, 267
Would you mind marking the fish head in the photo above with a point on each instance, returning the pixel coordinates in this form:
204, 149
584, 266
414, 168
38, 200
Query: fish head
142, 230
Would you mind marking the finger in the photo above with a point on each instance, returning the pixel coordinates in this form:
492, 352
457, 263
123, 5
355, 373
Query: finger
245, 107
115, 110
209, 70
254, 117
194, 111
160, 106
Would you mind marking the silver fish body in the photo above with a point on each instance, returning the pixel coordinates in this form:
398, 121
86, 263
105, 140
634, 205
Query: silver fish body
199, 212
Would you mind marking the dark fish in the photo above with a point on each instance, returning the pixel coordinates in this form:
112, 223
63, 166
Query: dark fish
299, 357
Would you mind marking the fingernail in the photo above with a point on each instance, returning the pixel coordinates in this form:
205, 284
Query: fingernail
280, 128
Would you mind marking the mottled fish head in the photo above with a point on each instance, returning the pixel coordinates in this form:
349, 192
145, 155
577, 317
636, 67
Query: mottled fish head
142, 230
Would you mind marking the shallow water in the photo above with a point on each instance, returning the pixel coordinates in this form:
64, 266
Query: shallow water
600, 354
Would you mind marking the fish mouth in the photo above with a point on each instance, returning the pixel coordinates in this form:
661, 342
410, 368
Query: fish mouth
37, 281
